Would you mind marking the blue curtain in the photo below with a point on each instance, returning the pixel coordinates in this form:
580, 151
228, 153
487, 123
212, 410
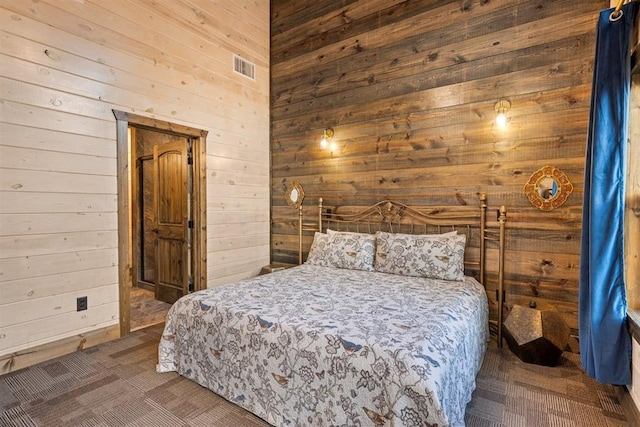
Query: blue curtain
605, 343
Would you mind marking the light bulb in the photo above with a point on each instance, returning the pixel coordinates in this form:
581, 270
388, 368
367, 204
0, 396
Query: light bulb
501, 120
502, 108
327, 134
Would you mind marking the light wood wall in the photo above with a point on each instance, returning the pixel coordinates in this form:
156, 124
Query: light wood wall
410, 89
65, 65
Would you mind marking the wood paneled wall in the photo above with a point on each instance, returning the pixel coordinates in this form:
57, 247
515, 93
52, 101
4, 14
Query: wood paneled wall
409, 88
632, 199
65, 65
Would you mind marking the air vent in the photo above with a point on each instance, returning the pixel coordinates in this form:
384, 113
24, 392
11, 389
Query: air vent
244, 67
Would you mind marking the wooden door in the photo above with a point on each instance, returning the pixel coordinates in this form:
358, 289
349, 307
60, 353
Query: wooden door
170, 200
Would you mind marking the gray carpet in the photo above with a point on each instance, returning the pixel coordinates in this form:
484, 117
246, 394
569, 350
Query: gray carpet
516, 394
115, 384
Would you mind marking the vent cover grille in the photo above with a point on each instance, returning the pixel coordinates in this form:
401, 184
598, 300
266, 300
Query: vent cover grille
244, 67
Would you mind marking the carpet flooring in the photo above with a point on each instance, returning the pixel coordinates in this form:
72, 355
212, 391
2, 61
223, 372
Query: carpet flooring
115, 384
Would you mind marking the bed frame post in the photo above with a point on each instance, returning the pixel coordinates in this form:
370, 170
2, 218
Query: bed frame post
309, 227
502, 219
300, 235
483, 226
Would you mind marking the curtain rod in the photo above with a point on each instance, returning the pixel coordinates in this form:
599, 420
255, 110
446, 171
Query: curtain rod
617, 13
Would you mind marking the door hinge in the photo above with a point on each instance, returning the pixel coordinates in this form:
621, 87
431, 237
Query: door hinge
190, 159
191, 287
190, 224
504, 295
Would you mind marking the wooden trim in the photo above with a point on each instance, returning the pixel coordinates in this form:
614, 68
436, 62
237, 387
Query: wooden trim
136, 165
159, 125
628, 404
200, 211
633, 323
25, 358
145, 285
125, 270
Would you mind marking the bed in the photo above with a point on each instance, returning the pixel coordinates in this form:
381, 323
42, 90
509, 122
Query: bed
367, 332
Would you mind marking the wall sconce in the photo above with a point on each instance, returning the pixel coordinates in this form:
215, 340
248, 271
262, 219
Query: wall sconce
502, 108
326, 136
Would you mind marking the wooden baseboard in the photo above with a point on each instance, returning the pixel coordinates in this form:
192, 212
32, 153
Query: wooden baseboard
146, 285
630, 409
25, 358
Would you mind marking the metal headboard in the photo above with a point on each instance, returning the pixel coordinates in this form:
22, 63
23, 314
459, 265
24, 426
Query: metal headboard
392, 216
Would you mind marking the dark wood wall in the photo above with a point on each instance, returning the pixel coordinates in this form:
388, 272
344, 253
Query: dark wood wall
409, 88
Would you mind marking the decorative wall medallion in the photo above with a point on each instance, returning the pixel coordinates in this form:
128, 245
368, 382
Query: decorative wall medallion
294, 194
548, 188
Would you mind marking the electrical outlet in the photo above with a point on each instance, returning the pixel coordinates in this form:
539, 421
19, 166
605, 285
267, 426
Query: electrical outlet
82, 303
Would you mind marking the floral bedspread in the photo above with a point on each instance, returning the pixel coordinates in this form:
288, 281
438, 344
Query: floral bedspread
318, 346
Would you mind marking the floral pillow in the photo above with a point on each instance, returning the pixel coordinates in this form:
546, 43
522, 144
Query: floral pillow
434, 256
318, 247
354, 251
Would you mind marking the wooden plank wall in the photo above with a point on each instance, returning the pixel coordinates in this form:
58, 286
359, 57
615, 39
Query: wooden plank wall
632, 210
409, 88
65, 65
632, 200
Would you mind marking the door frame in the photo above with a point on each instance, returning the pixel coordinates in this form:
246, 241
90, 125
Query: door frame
199, 243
